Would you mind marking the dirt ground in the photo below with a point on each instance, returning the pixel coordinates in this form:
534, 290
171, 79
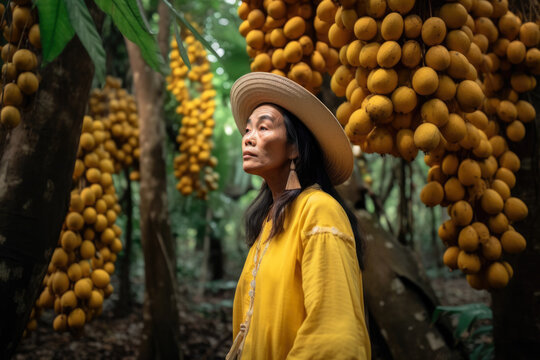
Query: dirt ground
205, 328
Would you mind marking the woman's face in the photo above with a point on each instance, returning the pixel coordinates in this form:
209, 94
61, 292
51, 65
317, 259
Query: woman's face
265, 150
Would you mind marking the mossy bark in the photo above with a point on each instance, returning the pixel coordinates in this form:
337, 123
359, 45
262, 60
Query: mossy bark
36, 166
161, 335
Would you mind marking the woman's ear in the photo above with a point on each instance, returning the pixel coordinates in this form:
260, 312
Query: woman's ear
293, 151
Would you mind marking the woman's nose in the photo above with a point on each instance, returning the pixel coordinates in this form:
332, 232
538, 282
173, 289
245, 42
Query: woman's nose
249, 139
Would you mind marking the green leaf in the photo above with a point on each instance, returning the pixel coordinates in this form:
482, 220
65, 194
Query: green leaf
181, 48
55, 28
127, 18
468, 317
191, 28
85, 29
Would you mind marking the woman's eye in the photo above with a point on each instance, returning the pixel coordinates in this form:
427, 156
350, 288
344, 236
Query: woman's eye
263, 128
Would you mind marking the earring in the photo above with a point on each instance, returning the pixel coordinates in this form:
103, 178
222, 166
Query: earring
292, 181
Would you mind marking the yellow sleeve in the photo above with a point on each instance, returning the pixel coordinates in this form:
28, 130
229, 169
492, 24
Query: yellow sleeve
334, 327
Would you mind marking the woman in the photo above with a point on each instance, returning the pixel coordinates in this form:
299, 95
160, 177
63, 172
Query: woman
300, 293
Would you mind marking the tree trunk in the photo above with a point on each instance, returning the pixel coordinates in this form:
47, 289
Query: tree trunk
161, 334
36, 166
516, 308
123, 307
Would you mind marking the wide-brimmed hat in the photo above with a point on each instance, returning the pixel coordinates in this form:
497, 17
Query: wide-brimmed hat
256, 88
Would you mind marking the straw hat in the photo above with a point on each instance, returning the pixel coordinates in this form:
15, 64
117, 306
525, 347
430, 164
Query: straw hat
256, 88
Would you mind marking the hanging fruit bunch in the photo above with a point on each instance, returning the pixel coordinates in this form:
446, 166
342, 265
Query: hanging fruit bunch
117, 110
19, 61
194, 166
288, 38
445, 79
78, 276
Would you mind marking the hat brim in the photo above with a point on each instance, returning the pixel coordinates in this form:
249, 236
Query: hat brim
256, 88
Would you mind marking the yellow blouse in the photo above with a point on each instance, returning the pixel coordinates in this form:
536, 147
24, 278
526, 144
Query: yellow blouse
308, 292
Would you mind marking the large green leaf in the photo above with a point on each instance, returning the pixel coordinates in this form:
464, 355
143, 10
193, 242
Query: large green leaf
126, 17
55, 28
181, 48
84, 26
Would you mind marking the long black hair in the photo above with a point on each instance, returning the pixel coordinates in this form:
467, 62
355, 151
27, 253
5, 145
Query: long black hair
309, 173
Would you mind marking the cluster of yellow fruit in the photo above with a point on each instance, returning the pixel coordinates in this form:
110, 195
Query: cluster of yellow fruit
19, 80
117, 110
282, 38
447, 84
194, 166
78, 277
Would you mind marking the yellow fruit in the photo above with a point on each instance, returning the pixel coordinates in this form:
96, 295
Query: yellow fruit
491, 202
389, 54
525, 111
28, 83
468, 239
461, 213
498, 223
382, 81
261, 62
425, 81
450, 257
492, 249
510, 161
337, 36
468, 263
60, 282
458, 40
294, 27
515, 209
507, 176
11, 95
293, 52
10, 116
59, 258
100, 278
74, 221
501, 188
365, 28
450, 164
438, 58
453, 190
513, 242
411, 54
455, 129
368, 55
60, 323
380, 140
255, 39
326, 10
435, 111
459, 65
448, 232
477, 281
256, 18
482, 231
515, 52
96, 300
360, 122
392, 26
404, 99
24, 60
427, 137
432, 194
477, 118
76, 318
453, 14
379, 108
433, 31
515, 131
74, 272
87, 250
529, 34
405, 144
497, 276
412, 26
469, 96
446, 89
68, 300
469, 172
